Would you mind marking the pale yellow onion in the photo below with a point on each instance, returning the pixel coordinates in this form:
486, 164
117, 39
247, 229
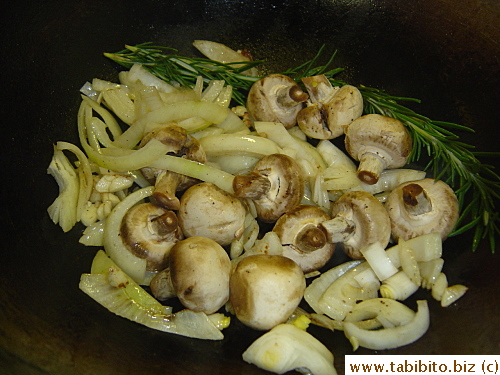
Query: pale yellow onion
227, 144
318, 286
133, 266
390, 338
429, 271
138, 73
380, 263
119, 102
452, 293
233, 124
180, 96
399, 286
222, 53
235, 164
409, 263
211, 130
425, 247
439, 286
107, 117
63, 210
134, 159
369, 283
196, 170
333, 302
212, 91
287, 347
131, 301
279, 134
389, 179
225, 96
389, 312
341, 172
194, 124
211, 112
93, 235
98, 127
85, 176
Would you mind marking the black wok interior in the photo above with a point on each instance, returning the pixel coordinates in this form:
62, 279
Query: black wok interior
443, 52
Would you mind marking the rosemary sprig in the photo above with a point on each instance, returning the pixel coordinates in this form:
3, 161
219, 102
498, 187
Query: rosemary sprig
164, 63
476, 184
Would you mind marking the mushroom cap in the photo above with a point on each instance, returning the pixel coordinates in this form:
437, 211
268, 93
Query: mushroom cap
161, 286
265, 290
199, 270
303, 241
275, 98
149, 232
328, 119
440, 219
382, 136
371, 221
207, 210
286, 186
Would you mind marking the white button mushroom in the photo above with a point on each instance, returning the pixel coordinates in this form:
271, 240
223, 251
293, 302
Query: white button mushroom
330, 109
275, 184
377, 142
275, 98
265, 290
199, 270
422, 207
302, 239
149, 232
207, 210
167, 182
358, 219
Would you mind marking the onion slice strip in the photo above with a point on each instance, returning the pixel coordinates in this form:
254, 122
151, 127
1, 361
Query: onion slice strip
390, 338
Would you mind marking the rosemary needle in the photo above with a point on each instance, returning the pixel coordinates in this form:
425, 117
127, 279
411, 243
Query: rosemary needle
476, 184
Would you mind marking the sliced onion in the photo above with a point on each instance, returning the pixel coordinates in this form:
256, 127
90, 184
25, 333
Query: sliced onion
133, 266
236, 144
399, 286
287, 347
390, 338
318, 286
389, 312
93, 235
380, 263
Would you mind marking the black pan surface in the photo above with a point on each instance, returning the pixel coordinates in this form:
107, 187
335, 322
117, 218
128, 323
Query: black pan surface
443, 52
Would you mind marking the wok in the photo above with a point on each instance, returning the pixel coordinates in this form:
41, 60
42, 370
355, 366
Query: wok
444, 52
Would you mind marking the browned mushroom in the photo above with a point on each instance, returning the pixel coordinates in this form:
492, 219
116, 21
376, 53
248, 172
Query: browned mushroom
149, 232
265, 290
275, 185
422, 207
167, 182
207, 210
330, 109
198, 274
358, 219
377, 142
275, 98
302, 238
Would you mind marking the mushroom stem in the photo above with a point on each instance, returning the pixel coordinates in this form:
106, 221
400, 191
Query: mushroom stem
338, 229
291, 96
165, 187
252, 186
370, 168
311, 238
164, 224
416, 200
